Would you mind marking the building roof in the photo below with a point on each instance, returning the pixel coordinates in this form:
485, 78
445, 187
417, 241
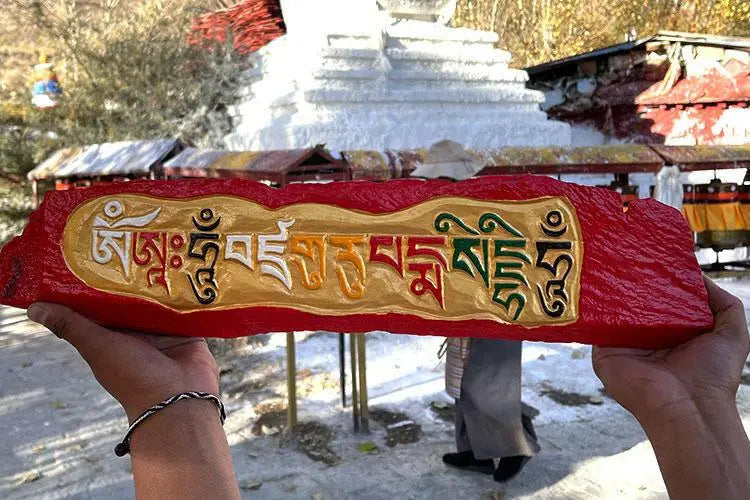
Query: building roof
624, 158
48, 167
613, 159
553, 160
662, 36
317, 165
138, 158
705, 157
279, 167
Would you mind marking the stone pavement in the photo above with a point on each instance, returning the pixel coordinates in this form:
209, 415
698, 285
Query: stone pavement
58, 429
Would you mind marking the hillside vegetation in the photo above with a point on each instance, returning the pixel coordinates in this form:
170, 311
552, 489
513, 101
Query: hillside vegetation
536, 31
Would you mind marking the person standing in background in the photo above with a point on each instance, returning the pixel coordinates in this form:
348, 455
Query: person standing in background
484, 377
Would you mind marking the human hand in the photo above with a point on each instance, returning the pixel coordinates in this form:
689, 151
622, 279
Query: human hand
703, 371
138, 369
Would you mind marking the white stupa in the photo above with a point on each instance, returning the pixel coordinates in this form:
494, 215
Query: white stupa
386, 74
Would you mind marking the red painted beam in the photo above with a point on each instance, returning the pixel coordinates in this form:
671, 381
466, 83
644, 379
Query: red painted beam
640, 284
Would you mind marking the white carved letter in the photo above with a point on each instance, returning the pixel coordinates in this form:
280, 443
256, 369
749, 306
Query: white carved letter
114, 209
102, 252
245, 257
270, 248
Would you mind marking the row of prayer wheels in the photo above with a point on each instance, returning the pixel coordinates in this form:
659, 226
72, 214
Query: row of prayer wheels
64, 185
627, 193
718, 213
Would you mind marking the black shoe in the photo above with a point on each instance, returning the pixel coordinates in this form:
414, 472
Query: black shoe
509, 467
466, 460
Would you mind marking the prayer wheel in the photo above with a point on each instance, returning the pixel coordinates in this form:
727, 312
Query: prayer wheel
109, 180
745, 209
62, 185
693, 212
714, 213
627, 193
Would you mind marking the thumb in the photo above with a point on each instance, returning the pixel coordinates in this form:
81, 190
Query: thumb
90, 339
729, 315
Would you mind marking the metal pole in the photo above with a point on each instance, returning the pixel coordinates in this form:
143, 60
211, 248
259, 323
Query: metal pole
355, 401
35, 190
291, 382
342, 369
364, 411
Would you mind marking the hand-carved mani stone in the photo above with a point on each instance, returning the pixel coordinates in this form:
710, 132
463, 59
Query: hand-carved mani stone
505, 257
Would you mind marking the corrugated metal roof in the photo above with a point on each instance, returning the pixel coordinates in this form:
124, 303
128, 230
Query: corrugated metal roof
119, 158
661, 36
48, 167
196, 158
279, 161
735, 42
593, 54
275, 166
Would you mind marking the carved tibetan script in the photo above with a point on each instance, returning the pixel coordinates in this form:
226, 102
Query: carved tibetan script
448, 258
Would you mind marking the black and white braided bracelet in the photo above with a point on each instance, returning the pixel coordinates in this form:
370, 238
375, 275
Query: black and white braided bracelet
123, 448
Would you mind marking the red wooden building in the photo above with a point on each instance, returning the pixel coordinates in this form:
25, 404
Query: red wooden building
671, 88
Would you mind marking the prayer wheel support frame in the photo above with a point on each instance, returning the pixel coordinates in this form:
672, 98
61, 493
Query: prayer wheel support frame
355, 398
364, 411
622, 178
342, 368
291, 382
35, 191
358, 359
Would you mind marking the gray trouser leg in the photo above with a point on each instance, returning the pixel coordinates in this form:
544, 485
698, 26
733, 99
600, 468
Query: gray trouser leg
490, 403
462, 436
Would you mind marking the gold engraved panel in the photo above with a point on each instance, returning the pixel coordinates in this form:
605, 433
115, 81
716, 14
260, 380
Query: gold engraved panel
447, 258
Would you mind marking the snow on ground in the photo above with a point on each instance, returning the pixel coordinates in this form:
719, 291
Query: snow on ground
58, 427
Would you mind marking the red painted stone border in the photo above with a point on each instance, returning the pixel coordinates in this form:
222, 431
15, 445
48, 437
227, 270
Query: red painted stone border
640, 283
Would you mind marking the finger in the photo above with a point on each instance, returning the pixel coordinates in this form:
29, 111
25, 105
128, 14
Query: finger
597, 354
718, 298
729, 312
102, 349
601, 358
83, 334
621, 351
162, 342
165, 343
